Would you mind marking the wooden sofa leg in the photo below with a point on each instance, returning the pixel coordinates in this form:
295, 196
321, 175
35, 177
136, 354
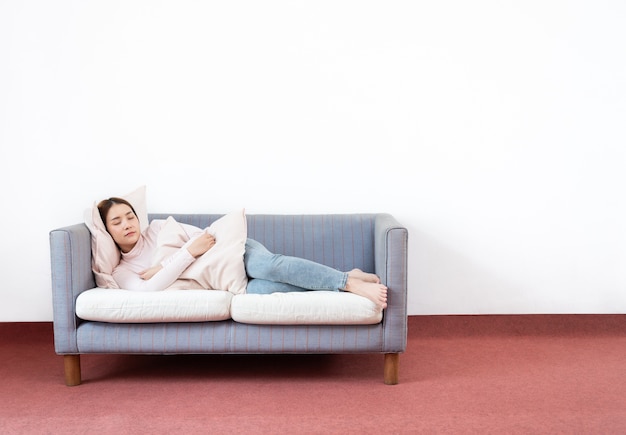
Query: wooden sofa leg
72, 370
391, 368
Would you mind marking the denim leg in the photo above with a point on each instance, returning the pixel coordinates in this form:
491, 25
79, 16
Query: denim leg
299, 272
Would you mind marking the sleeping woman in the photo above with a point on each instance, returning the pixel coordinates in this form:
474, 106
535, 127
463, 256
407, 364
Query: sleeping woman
268, 272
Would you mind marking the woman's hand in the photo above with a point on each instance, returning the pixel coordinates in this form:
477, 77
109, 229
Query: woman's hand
149, 273
203, 243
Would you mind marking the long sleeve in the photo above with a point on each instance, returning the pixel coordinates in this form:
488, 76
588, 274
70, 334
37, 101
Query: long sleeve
126, 274
172, 268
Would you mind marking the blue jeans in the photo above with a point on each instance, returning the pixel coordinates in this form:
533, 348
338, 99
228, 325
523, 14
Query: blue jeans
271, 273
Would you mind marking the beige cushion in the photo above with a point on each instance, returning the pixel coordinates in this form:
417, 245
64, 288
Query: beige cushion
305, 308
105, 254
222, 266
125, 306
298, 308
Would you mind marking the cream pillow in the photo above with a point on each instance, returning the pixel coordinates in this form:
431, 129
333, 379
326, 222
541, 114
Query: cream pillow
105, 255
221, 267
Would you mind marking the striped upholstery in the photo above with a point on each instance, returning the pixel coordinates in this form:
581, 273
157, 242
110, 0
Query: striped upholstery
70, 255
226, 337
340, 241
372, 242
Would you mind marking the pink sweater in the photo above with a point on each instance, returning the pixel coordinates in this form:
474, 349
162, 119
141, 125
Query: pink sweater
138, 259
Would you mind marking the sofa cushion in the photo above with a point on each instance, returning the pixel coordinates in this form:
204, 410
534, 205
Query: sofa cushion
305, 308
125, 306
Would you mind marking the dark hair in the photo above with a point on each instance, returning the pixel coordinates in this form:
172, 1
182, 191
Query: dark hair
105, 205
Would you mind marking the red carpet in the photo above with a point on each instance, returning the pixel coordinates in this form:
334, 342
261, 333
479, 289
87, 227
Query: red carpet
461, 374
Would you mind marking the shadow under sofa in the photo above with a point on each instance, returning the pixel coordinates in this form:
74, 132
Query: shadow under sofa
373, 242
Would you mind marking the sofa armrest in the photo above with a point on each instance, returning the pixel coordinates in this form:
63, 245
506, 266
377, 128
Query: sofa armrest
390, 250
70, 256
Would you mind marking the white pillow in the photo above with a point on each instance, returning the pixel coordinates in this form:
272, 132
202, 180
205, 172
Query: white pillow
221, 267
105, 254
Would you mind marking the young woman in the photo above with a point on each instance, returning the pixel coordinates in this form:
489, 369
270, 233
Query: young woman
268, 272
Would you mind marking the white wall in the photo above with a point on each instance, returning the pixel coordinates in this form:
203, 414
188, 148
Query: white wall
495, 131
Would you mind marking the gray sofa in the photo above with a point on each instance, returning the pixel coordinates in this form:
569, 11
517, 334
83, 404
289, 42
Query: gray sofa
372, 242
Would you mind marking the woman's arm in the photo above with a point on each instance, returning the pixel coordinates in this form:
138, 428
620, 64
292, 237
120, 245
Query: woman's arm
169, 272
196, 248
160, 277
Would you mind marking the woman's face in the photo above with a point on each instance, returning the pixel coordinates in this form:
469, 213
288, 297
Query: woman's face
123, 226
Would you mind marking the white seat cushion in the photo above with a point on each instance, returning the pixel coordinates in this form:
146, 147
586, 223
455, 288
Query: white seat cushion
305, 308
124, 306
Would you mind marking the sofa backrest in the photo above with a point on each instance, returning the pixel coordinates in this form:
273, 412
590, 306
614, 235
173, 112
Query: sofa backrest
342, 241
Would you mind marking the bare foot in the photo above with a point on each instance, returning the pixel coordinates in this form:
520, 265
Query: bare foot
375, 292
364, 276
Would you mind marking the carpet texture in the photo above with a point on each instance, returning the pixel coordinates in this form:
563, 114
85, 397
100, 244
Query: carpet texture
460, 374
